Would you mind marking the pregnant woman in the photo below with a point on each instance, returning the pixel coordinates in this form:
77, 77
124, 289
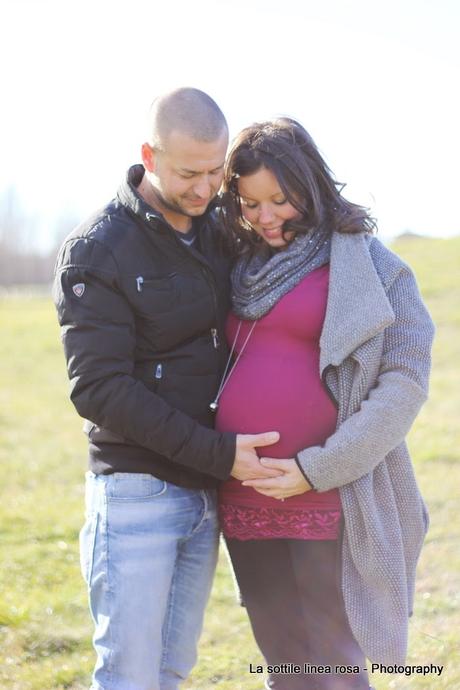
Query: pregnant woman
330, 346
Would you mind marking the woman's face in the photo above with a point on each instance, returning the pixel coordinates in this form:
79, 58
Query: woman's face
265, 207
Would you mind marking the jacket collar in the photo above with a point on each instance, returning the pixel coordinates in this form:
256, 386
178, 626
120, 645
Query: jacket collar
357, 305
129, 196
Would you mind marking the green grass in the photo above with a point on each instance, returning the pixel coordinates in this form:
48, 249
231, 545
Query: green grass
45, 629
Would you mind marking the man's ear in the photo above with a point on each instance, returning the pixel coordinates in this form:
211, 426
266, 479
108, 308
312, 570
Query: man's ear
148, 157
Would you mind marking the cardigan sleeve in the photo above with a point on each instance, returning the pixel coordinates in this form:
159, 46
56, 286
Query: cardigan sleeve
386, 415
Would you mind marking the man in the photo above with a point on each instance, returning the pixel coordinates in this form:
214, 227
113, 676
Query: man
142, 290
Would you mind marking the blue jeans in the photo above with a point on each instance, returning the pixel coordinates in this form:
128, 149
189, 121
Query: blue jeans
148, 554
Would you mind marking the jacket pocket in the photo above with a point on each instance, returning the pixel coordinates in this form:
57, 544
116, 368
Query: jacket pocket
153, 295
151, 374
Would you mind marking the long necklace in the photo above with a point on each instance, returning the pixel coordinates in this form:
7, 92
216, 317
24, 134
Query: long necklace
223, 382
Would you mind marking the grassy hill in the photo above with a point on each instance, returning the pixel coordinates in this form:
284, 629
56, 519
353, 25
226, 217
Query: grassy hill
44, 625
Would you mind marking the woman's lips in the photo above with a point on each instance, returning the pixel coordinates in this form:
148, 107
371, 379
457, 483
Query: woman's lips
272, 232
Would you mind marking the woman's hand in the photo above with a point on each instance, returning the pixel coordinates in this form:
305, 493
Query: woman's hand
290, 483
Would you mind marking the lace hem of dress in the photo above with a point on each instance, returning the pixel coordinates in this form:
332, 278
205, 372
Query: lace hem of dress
241, 522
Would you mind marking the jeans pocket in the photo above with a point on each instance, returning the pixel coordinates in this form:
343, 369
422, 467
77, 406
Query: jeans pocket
87, 546
126, 487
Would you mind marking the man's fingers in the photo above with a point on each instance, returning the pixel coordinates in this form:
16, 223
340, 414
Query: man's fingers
265, 472
275, 463
266, 439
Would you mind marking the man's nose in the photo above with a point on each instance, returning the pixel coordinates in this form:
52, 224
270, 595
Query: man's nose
203, 188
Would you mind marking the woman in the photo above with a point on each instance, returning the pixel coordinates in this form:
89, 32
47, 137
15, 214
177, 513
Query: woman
330, 346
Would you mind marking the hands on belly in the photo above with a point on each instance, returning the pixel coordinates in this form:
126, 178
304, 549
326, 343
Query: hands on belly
290, 482
247, 464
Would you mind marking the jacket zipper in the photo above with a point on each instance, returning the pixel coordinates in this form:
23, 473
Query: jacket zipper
214, 330
141, 282
215, 337
209, 280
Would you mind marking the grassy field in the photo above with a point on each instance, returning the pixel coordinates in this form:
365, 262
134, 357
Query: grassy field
44, 626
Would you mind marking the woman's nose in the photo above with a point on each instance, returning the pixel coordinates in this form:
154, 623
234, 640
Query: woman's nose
265, 214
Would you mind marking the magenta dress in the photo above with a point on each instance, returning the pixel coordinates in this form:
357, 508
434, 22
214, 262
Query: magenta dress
276, 386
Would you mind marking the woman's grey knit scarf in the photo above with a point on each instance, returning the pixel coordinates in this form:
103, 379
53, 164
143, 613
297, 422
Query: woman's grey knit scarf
260, 279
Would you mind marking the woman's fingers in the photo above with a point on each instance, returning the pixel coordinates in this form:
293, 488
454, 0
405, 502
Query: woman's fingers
271, 483
291, 483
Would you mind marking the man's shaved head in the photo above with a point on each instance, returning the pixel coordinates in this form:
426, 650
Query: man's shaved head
186, 110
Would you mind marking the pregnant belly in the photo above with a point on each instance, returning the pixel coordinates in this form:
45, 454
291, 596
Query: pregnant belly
284, 395
276, 394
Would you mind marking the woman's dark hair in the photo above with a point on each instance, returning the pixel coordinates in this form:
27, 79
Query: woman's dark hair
285, 148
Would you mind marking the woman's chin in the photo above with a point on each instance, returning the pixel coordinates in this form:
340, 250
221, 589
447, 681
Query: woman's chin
276, 242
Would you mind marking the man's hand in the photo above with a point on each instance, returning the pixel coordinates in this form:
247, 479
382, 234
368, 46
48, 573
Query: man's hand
290, 480
247, 465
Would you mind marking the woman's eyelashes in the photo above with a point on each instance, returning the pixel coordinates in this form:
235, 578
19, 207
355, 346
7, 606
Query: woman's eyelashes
254, 204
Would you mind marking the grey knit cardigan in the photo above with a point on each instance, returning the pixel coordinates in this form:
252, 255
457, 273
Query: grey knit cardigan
375, 359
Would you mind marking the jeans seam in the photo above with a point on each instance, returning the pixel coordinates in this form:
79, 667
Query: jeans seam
204, 496
168, 618
109, 589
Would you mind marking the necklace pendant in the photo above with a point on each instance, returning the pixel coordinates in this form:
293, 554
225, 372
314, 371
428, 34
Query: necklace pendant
224, 380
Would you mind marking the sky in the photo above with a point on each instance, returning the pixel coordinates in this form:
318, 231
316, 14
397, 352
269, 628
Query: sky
375, 82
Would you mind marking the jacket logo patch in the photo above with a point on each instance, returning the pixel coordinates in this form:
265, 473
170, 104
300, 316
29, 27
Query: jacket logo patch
79, 289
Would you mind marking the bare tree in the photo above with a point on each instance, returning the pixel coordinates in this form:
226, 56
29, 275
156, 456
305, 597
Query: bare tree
20, 261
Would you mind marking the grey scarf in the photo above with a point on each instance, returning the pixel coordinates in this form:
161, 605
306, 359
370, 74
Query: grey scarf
260, 279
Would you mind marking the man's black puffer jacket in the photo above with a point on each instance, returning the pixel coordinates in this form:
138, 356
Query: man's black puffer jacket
140, 314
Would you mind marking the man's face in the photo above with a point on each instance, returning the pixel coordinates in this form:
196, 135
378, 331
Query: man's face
187, 175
